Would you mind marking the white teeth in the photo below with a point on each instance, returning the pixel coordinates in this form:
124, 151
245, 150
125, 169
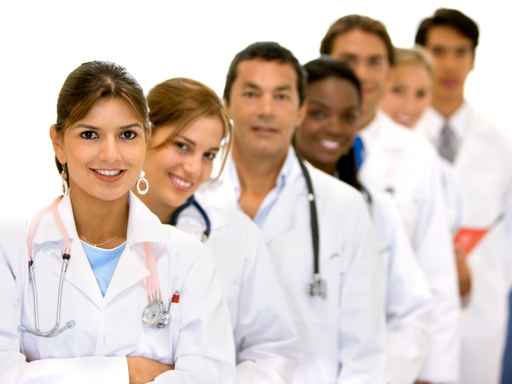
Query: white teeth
180, 182
330, 144
108, 172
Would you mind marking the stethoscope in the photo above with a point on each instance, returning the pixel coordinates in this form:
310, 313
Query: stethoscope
156, 313
318, 285
192, 202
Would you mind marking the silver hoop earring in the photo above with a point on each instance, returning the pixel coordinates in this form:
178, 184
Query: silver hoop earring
142, 184
64, 176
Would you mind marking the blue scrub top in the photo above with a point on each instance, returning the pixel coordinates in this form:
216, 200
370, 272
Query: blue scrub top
103, 263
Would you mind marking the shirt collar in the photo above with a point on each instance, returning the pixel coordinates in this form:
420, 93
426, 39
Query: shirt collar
433, 122
284, 174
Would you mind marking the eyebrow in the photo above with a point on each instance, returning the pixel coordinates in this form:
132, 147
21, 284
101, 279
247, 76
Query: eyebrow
192, 143
284, 87
319, 103
94, 128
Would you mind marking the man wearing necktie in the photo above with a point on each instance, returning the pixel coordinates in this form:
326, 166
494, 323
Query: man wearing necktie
481, 157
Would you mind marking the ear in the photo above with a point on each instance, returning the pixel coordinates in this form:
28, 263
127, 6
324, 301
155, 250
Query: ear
302, 113
58, 145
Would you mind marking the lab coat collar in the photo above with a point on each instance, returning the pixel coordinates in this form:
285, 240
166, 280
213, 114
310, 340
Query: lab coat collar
143, 226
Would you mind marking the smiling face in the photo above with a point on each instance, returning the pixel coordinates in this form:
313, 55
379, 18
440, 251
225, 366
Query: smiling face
176, 165
264, 105
104, 151
409, 93
367, 55
330, 125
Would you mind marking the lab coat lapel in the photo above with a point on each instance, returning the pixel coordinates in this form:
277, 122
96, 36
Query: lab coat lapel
79, 273
143, 226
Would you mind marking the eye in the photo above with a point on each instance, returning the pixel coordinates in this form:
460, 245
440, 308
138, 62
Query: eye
438, 51
375, 61
461, 52
249, 93
398, 89
350, 117
128, 135
210, 156
89, 135
182, 147
282, 96
317, 114
421, 93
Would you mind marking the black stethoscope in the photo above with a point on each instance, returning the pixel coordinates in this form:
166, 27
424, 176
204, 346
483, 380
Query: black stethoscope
318, 285
192, 202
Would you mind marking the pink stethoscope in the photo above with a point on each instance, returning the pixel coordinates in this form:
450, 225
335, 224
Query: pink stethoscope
156, 313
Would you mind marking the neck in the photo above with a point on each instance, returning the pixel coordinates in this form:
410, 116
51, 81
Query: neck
161, 209
258, 176
367, 116
447, 106
100, 222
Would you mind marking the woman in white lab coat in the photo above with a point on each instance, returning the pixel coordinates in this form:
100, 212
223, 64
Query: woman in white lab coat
190, 130
109, 294
326, 138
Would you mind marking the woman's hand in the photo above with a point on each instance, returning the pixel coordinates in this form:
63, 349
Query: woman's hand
142, 370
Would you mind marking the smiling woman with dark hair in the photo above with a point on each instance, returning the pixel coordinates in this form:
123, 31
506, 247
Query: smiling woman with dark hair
103, 291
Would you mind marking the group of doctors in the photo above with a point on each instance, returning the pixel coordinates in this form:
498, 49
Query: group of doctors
342, 221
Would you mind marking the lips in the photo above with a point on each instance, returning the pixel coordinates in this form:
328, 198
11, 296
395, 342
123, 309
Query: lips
108, 175
180, 183
262, 129
331, 145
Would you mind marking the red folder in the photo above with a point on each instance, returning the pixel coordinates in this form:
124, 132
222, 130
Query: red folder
466, 239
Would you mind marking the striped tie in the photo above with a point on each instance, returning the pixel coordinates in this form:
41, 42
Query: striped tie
447, 145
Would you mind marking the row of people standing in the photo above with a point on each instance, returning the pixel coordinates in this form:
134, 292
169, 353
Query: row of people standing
340, 283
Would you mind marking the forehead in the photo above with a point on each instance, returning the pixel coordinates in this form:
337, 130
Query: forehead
334, 92
111, 111
358, 43
410, 71
446, 36
266, 74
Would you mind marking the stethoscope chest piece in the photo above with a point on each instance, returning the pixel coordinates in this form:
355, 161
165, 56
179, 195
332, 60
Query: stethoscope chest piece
155, 315
318, 287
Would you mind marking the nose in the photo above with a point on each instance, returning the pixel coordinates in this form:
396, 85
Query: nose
109, 150
266, 108
360, 70
193, 166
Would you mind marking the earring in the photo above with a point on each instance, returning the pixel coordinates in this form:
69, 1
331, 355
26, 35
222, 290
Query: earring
64, 177
142, 184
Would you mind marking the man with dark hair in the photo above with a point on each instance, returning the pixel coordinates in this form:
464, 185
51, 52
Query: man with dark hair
397, 161
317, 228
481, 157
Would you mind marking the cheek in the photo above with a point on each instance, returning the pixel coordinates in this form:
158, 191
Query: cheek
206, 171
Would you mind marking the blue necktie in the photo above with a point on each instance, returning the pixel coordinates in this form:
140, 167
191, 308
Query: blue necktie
506, 377
358, 151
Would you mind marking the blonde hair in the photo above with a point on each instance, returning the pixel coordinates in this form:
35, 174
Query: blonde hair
414, 56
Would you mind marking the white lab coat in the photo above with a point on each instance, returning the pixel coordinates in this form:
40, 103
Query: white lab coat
484, 168
343, 336
198, 340
404, 164
408, 297
267, 346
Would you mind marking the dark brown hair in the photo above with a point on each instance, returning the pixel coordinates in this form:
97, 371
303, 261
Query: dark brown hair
453, 18
91, 82
180, 102
363, 23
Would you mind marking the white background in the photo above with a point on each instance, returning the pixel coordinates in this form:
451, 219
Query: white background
42, 41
